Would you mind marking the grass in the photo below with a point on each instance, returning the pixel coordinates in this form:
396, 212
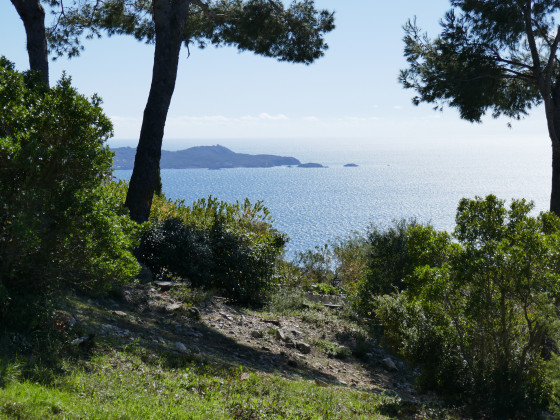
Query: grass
133, 382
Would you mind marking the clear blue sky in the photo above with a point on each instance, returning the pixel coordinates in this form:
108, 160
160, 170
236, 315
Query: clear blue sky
351, 93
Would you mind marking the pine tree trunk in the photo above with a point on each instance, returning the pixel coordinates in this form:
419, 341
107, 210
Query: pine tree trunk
555, 194
170, 18
33, 16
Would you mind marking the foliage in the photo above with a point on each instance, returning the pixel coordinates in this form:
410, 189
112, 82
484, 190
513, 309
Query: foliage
387, 263
215, 245
481, 304
61, 223
139, 383
334, 268
266, 28
490, 55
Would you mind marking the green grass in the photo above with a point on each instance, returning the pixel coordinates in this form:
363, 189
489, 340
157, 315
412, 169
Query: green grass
136, 383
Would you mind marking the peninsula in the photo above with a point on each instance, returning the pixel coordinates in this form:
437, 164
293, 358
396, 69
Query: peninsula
209, 157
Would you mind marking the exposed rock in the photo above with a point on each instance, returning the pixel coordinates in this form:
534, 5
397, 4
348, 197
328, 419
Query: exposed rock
83, 341
280, 334
389, 364
181, 347
165, 285
303, 347
172, 307
119, 313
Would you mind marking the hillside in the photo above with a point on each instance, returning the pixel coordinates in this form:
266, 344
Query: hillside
150, 354
210, 157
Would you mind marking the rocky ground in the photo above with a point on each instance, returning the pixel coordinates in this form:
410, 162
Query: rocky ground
314, 342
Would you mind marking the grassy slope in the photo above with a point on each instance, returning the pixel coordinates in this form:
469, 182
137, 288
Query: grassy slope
120, 379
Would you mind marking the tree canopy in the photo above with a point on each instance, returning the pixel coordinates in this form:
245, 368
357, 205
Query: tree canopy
492, 56
265, 27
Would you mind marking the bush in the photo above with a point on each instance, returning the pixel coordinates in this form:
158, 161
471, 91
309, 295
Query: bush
334, 268
387, 263
481, 304
60, 224
229, 247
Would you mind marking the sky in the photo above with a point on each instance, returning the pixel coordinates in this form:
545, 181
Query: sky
350, 94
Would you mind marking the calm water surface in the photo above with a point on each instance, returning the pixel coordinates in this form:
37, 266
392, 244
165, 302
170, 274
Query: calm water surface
394, 180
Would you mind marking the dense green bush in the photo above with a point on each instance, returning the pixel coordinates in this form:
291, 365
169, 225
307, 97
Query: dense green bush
386, 264
481, 304
61, 222
229, 247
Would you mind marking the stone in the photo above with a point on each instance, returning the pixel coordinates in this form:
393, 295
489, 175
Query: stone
389, 364
193, 313
280, 334
226, 316
181, 347
303, 347
119, 313
165, 286
172, 307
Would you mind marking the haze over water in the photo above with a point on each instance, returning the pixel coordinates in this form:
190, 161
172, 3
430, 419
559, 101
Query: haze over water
394, 180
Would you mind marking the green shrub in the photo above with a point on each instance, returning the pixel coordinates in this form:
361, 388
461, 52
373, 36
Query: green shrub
59, 224
481, 304
386, 264
229, 247
335, 267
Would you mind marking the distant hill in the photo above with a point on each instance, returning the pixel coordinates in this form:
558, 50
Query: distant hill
210, 157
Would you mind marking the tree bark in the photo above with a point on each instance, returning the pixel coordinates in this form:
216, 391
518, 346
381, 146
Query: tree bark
553, 121
33, 16
170, 19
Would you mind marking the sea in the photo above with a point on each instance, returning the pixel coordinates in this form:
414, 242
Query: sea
394, 179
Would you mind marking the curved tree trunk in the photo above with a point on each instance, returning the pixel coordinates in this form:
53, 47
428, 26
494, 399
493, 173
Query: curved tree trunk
33, 16
170, 19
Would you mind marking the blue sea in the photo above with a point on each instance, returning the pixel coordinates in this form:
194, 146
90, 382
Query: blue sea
393, 180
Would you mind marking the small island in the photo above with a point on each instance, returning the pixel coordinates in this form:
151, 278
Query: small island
350, 165
204, 157
310, 165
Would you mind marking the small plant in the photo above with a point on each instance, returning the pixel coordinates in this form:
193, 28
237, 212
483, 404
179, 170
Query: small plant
333, 350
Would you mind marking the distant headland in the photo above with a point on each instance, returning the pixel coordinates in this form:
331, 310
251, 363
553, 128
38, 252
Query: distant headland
208, 157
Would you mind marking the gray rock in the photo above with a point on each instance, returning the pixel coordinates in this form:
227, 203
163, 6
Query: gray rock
181, 347
389, 364
303, 347
172, 307
280, 334
164, 286
119, 313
